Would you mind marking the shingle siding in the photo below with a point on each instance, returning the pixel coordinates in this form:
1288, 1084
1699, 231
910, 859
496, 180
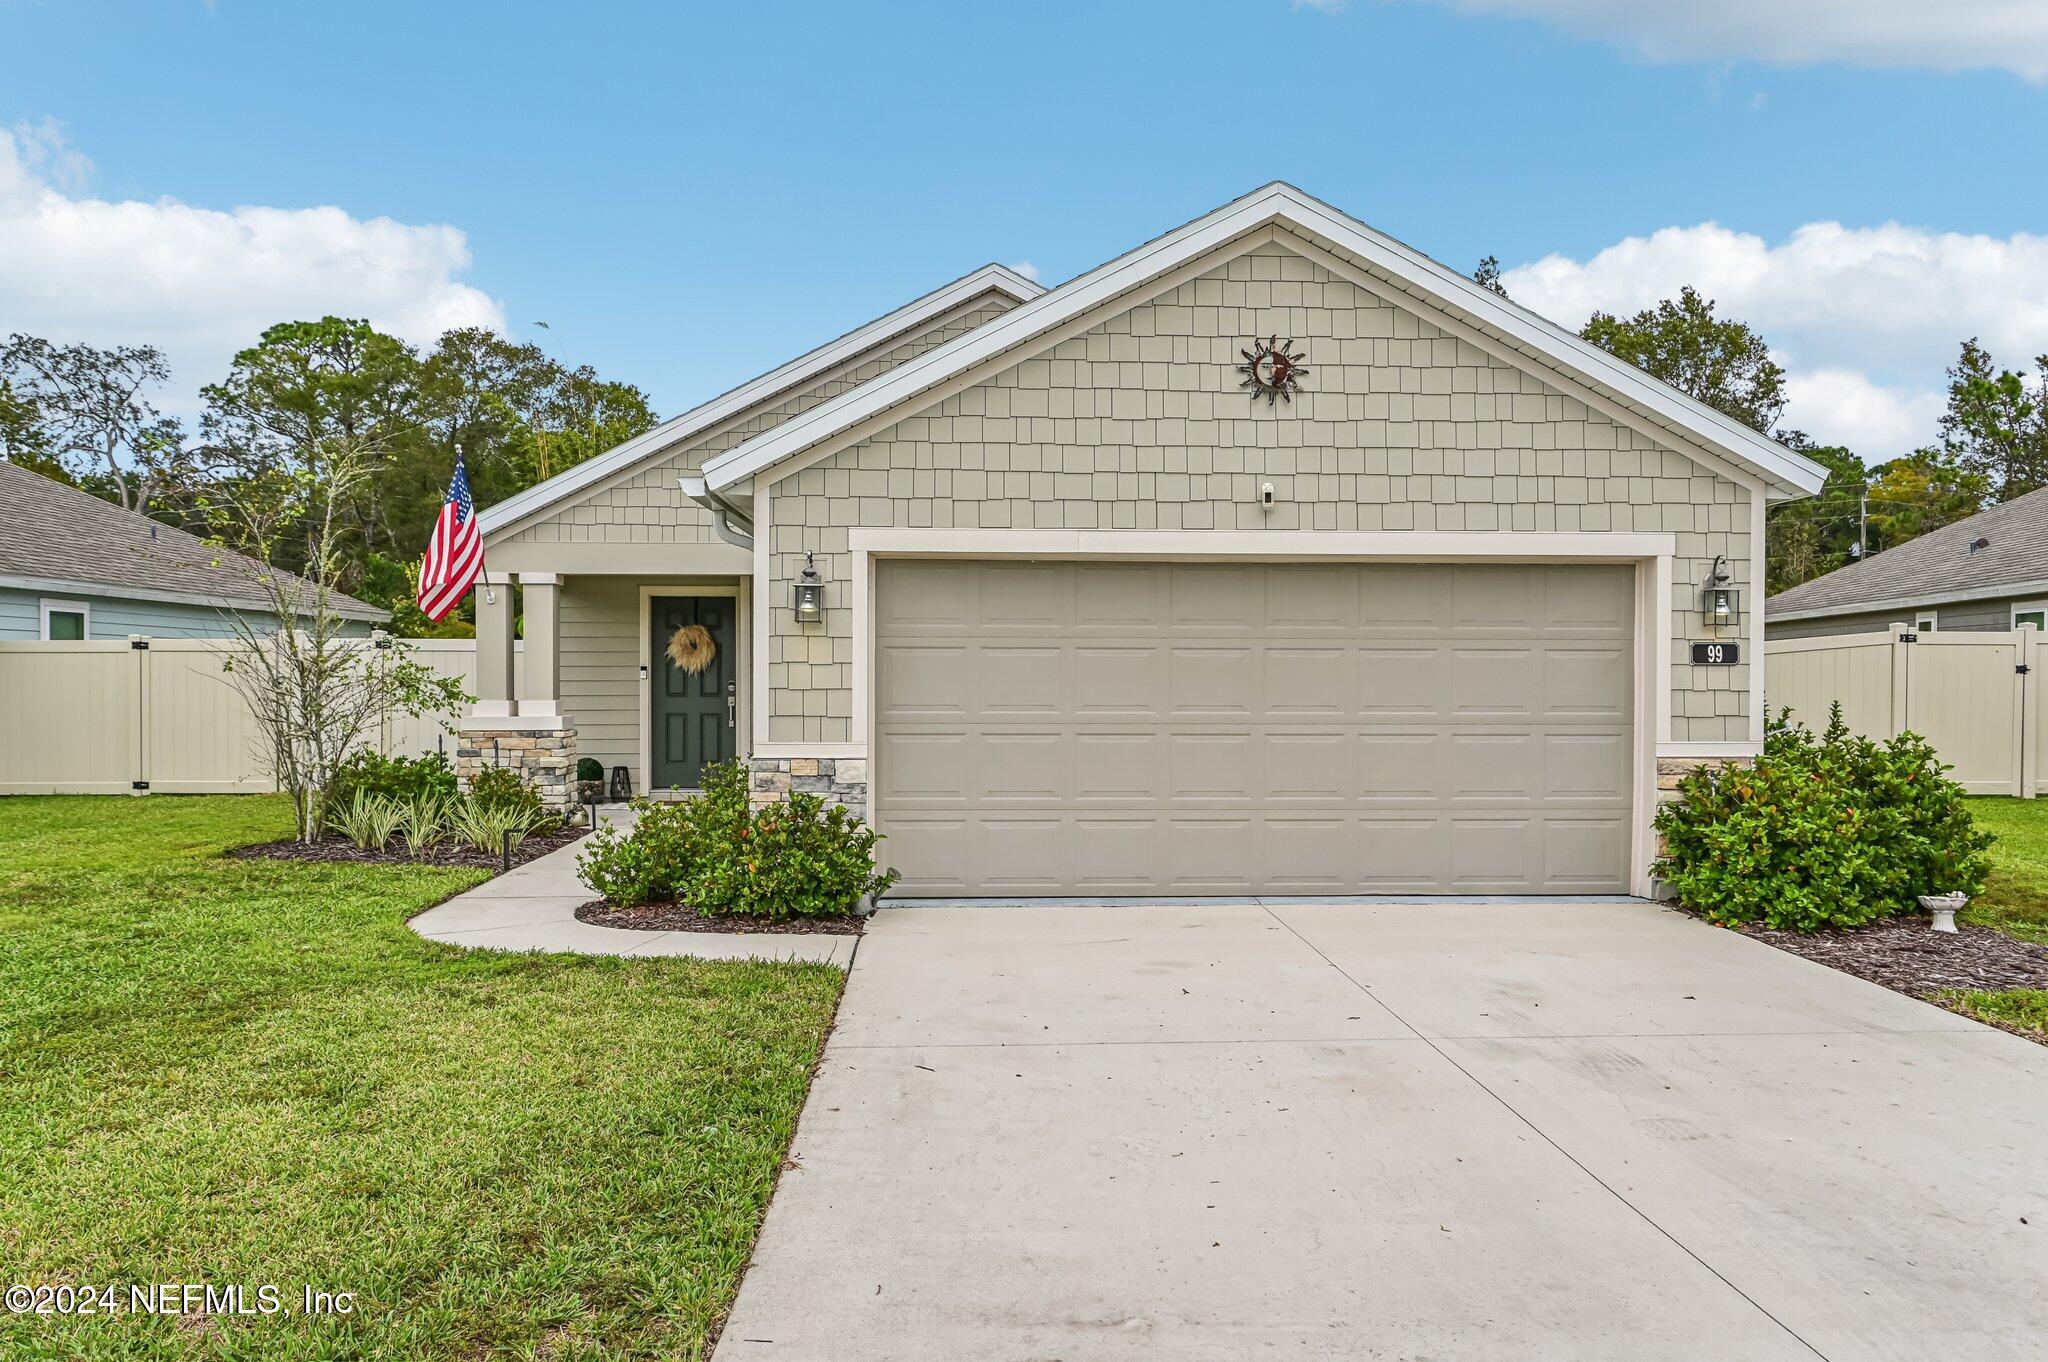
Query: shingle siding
1139, 424
648, 506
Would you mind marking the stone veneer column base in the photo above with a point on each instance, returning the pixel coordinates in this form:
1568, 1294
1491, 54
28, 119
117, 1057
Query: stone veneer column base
544, 757
1671, 770
837, 780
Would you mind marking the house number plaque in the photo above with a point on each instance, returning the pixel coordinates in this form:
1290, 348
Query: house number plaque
1716, 654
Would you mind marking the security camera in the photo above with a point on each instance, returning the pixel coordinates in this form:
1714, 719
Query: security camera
1265, 494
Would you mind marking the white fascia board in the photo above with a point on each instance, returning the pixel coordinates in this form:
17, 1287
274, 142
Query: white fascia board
116, 591
1779, 468
801, 370
1908, 603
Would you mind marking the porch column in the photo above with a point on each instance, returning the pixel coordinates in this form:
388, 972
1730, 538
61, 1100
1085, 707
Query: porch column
540, 685
493, 653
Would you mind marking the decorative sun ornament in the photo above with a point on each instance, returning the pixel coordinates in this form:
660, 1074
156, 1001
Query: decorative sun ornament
1272, 369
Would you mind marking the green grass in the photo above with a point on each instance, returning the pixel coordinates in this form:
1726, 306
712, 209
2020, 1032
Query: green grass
2015, 901
253, 1072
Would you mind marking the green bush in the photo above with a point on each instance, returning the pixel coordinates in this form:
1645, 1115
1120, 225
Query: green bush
504, 791
1829, 831
402, 779
589, 768
795, 858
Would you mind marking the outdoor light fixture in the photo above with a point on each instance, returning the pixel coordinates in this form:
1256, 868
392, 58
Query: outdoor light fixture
810, 593
1720, 602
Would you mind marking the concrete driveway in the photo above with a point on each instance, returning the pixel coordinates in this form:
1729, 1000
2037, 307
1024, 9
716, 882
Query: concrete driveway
1490, 1132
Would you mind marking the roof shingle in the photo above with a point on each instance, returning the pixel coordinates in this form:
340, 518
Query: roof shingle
51, 532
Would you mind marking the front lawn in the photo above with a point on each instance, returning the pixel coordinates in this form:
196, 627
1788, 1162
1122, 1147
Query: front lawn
251, 1072
2015, 902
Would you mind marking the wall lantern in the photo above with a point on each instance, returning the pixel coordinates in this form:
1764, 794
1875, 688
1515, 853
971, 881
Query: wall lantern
1720, 602
810, 594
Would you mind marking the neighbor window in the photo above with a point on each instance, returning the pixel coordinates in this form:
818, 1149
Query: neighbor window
2032, 612
1926, 622
66, 621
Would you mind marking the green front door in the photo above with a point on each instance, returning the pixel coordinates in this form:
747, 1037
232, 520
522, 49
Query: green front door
694, 714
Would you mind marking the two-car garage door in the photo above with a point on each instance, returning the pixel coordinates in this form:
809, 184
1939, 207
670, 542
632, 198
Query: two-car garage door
1143, 728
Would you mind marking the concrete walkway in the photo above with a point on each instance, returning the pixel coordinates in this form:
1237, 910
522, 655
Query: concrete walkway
533, 908
1442, 1132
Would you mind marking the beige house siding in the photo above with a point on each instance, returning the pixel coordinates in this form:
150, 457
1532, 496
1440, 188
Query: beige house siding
1139, 424
646, 506
601, 668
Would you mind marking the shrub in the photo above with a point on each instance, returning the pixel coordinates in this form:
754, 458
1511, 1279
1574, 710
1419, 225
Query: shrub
369, 820
1829, 831
502, 788
589, 768
483, 825
402, 779
423, 823
795, 858
647, 864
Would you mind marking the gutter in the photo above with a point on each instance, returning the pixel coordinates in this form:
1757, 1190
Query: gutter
728, 521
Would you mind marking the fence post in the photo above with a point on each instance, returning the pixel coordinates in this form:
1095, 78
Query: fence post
138, 648
2029, 655
1902, 678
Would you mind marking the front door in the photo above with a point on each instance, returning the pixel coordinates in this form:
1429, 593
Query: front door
695, 716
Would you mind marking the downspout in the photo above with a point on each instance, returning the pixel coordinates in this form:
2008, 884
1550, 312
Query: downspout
728, 521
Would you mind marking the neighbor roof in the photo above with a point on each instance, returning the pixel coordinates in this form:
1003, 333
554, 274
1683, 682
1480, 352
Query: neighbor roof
795, 374
1783, 473
1936, 567
57, 538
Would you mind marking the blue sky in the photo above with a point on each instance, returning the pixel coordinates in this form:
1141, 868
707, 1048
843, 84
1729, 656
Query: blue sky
690, 194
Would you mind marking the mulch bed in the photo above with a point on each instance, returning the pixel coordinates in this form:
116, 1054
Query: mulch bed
335, 847
676, 917
1906, 955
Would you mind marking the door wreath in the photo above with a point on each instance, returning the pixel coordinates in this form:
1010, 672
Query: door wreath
691, 648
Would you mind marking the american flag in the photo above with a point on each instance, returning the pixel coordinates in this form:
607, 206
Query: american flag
454, 552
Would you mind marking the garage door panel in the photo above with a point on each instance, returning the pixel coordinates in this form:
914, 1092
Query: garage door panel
1403, 684
1013, 681
1401, 767
1308, 682
1130, 766
1579, 854
1118, 682
1221, 728
1587, 683
925, 681
1496, 767
1210, 768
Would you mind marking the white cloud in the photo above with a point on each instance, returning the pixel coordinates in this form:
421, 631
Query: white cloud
1027, 269
199, 283
1941, 35
1865, 319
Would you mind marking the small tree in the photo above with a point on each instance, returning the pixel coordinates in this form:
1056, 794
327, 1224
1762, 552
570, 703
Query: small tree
316, 693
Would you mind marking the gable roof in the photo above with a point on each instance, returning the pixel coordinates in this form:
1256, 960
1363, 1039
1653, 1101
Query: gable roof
59, 539
756, 391
1937, 567
1783, 473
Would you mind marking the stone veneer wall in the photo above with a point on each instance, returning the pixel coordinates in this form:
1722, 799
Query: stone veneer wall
838, 780
1139, 424
546, 758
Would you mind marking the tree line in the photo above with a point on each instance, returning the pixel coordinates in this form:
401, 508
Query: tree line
87, 415
1990, 445
272, 426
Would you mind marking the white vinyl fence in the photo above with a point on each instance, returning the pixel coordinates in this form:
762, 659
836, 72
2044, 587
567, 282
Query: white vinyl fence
1976, 697
114, 718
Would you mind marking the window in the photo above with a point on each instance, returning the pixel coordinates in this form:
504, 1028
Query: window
2030, 612
66, 621
1926, 622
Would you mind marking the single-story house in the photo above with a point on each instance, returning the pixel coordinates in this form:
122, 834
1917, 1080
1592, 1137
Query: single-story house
1269, 557
1988, 572
74, 567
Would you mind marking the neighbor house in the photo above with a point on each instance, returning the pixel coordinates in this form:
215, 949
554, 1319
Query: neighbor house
1988, 572
76, 568
1270, 557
